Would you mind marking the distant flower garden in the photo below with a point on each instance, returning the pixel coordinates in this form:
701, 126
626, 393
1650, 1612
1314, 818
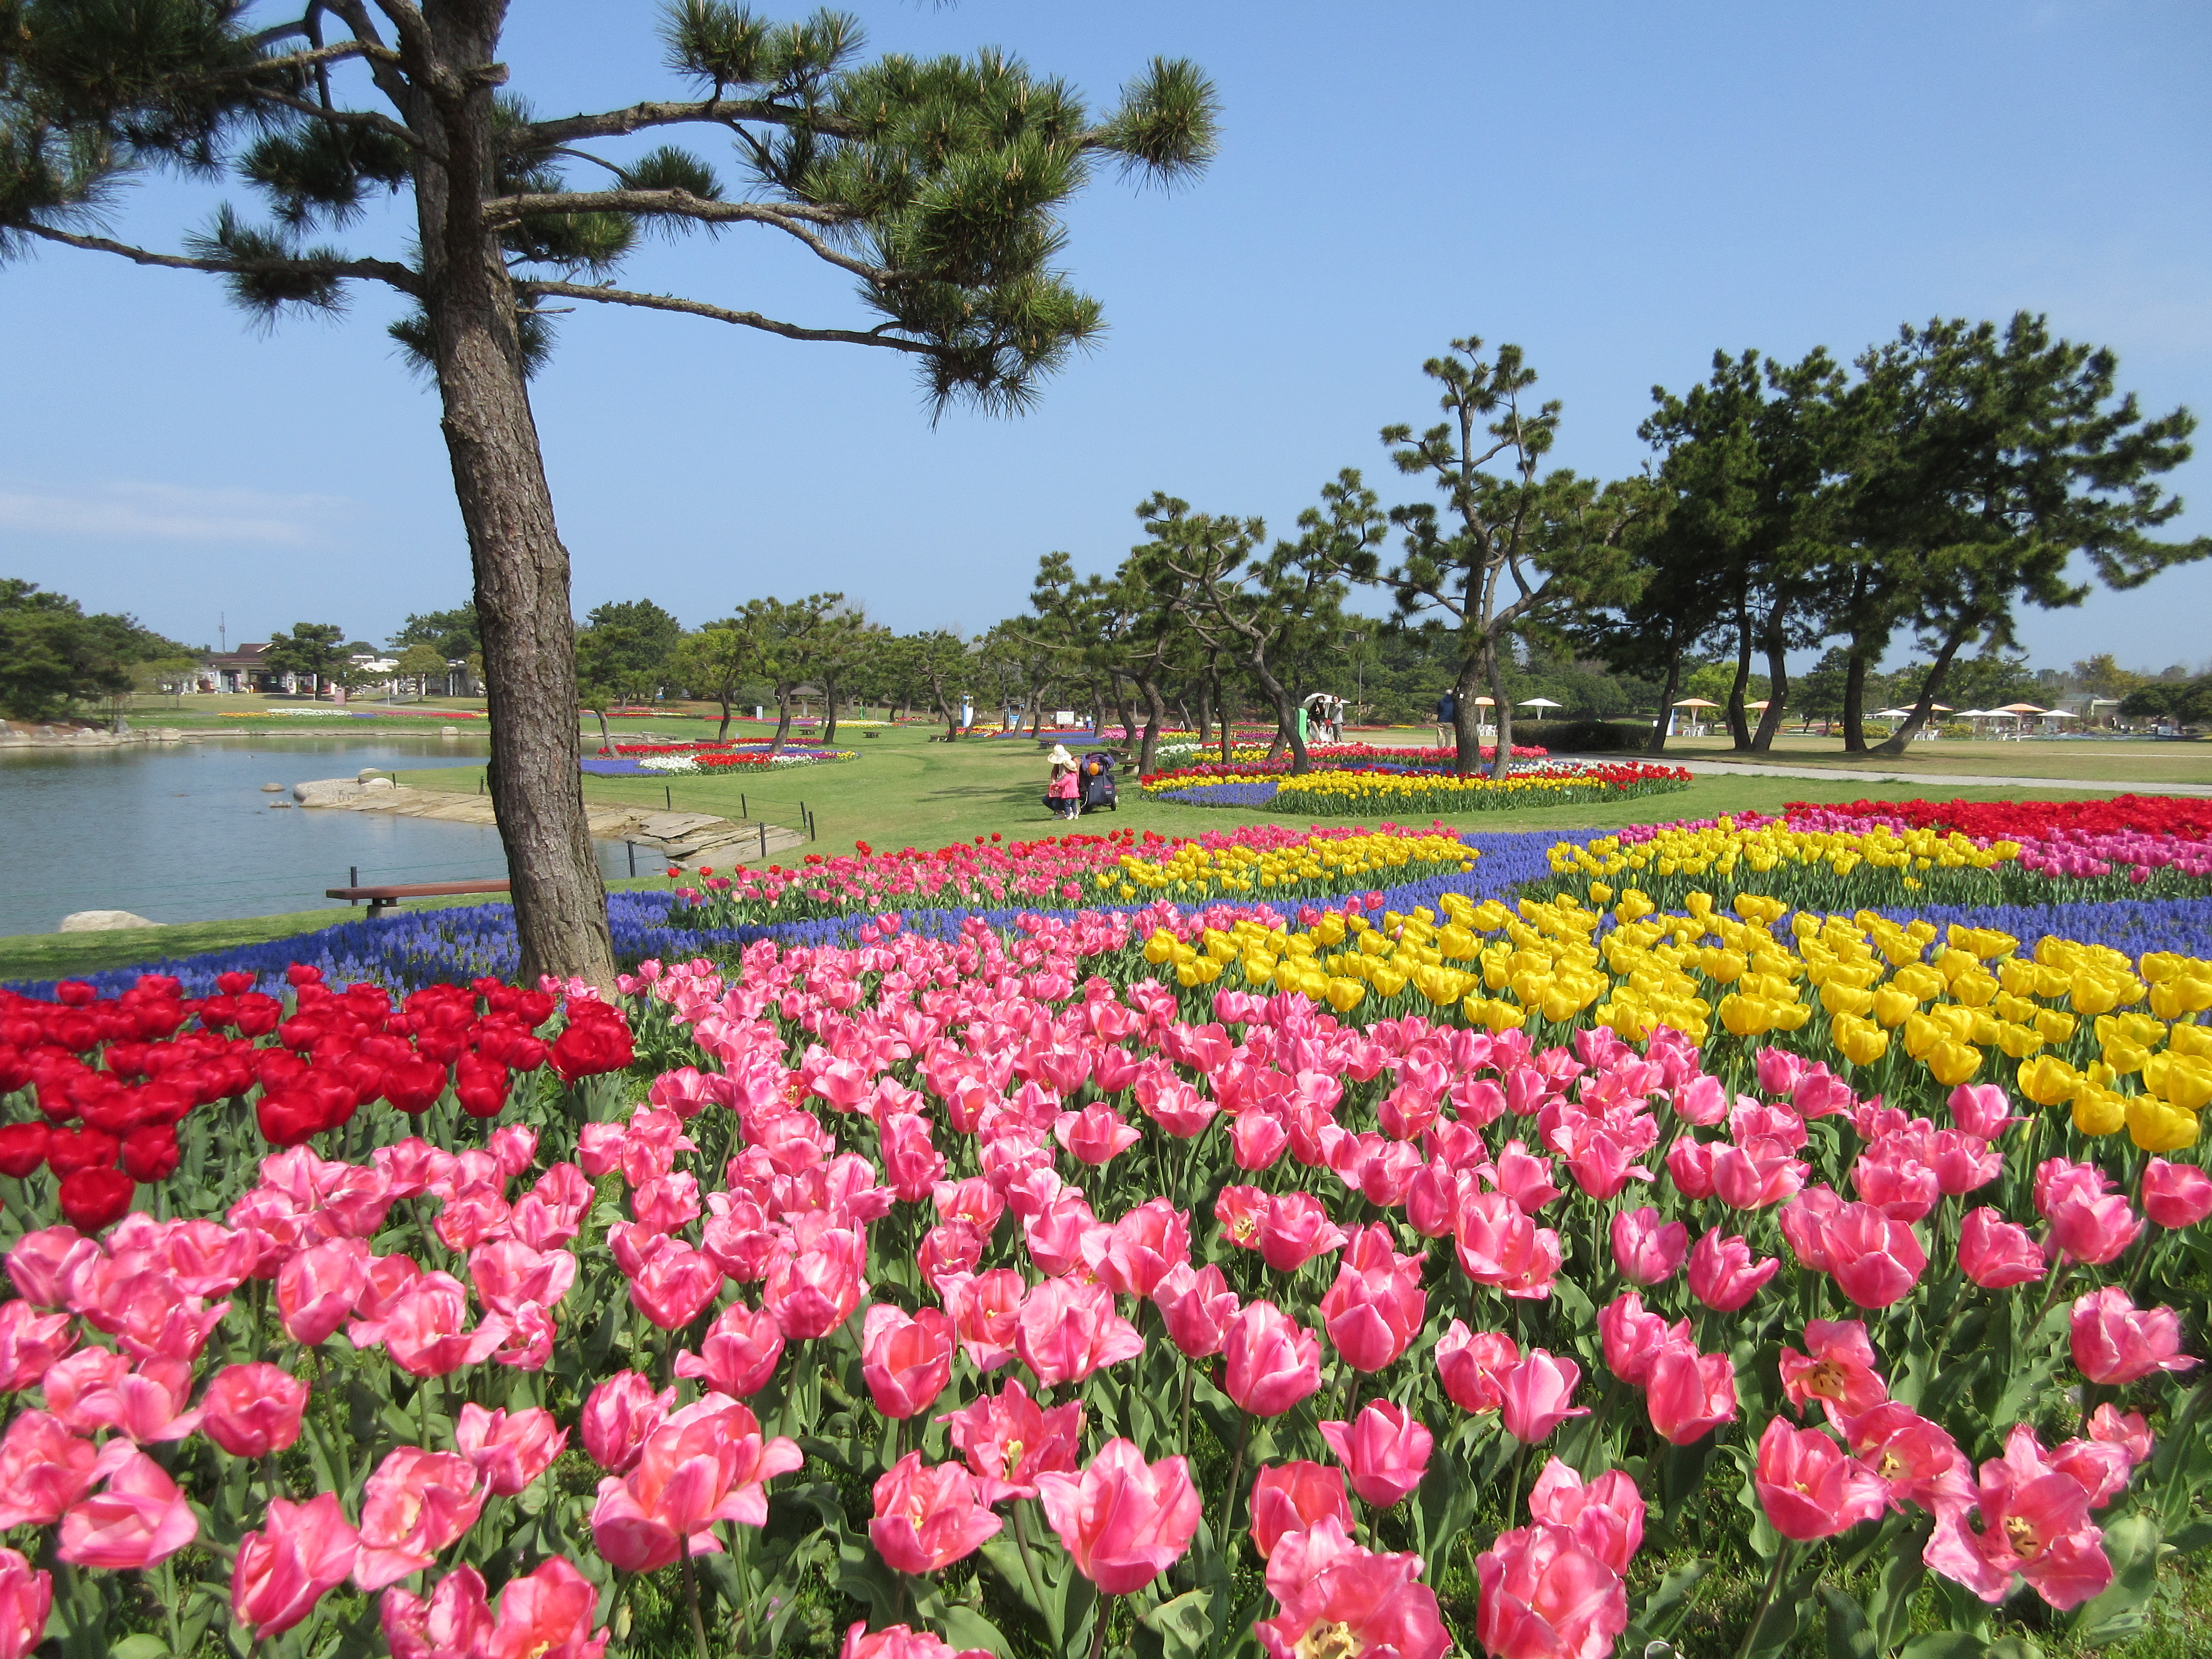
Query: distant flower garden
696, 759
1373, 791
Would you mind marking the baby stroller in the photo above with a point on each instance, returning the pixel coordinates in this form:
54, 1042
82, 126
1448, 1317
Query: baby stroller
1097, 774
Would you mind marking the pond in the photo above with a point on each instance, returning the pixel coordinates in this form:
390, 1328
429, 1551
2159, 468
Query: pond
182, 832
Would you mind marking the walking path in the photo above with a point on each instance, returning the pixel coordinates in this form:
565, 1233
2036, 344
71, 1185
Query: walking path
1954, 779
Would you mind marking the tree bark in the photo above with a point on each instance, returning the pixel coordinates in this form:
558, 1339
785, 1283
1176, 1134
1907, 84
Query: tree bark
1204, 712
1855, 673
722, 731
1155, 715
1929, 689
1501, 764
1123, 707
1777, 681
829, 709
1668, 687
1738, 724
782, 722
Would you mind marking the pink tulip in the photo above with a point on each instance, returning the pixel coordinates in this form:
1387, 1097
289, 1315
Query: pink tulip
928, 1517
1981, 1110
1197, 1308
1963, 1163
901, 1642
455, 1622
253, 1409
30, 1343
1875, 1260
1292, 1497
425, 1327
1056, 1234
2094, 1229
43, 1265
738, 1354
44, 1468
1810, 1487
1133, 1256
302, 1552
315, 1290
619, 1416
2175, 1194
812, 1290
1377, 1306
88, 1374
1995, 1253
27, 1601
1892, 1177
1066, 1331
1523, 1177
1690, 1162
708, 1463
1499, 1246
906, 1360
1537, 1391
1646, 1248
2116, 1342
1097, 1134
2035, 1523
1606, 1515
1384, 1448
1837, 1369
509, 1450
1123, 1520
508, 1273
674, 1285
1722, 1274
1544, 1593
1295, 1229
1917, 1459
1340, 1599
1009, 1441
145, 1403
415, 1503
985, 1309
139, 1518
1634, 1338
2125, 1430
1753, 1174
1269, 1362
1473, 1366
1688, 1393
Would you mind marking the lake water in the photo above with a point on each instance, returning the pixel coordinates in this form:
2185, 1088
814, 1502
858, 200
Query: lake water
181, 832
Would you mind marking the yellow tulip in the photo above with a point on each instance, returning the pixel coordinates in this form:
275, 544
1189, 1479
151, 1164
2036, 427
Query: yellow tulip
2156, 1126
1953, 1063
2098, 1111
1344, 994
1862, 1043
1892, 1007
2047, 1079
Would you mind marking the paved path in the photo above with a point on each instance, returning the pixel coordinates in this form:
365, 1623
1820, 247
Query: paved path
1953, 779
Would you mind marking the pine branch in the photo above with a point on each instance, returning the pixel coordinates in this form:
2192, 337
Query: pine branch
719, 314
372, 121
382, 270
712, 111
682, 204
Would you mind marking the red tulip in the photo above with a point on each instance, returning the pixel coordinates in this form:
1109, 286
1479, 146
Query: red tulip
509, 1450
1340, 1599
905, 1359
2175, 1194
2115, 1342
27, 1601
1688, 1393
1009, 1441
929, 1517
1066, 1331
1292, 1497
1270, 1362
1995, 1253
93, 1200
1123, 1520
139, 1518
1606, 1515
1377, 1306
1810, 1487
1385, 1449
1723, 1275
1474, 1366
1545, 1596
302, 1552
1837, 1370
620, 1414
738, 1354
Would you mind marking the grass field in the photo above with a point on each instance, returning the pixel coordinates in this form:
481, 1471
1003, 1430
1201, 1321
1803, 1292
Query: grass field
905, 790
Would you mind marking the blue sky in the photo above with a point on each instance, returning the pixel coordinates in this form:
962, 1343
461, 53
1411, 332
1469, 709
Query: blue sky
1619, 188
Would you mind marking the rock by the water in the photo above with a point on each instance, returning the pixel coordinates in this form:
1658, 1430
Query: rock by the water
366, 774
272, 788
378, 783
100, 921
449, 730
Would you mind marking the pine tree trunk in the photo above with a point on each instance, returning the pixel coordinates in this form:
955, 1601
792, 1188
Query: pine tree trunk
782, 722
1931, 689
1777, 683
1204, 712
829, 709
1501, 763
1739, 726
1658, 744
1156, 712
1855, 673
521, 569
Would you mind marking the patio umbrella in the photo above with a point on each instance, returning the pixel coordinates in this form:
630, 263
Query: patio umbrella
1892, 713
1540, 704
2021, 709
1696, 702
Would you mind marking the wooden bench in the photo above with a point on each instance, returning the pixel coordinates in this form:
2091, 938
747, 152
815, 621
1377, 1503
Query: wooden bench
381, 899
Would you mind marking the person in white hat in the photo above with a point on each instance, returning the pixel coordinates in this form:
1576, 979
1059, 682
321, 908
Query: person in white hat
1061, 793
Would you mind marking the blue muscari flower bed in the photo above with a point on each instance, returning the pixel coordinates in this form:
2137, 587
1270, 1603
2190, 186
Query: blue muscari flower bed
457, 944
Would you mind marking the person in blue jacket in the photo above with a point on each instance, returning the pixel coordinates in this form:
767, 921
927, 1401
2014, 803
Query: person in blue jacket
1447, 721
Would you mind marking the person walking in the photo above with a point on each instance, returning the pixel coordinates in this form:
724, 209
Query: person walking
1061, 794
1447, 721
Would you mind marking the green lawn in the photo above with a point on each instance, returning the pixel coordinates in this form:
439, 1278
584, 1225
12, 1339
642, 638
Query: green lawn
905, 790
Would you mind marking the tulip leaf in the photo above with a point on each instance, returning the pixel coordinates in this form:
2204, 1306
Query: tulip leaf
1002, 1554
1849, 1635
964, 1627
140, 1647
2132, 1543
1889, 1609
1179, 1629
1945, 1644
1669, 1600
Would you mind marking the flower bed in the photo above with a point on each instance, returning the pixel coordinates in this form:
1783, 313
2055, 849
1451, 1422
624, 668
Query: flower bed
691, 759
1370, 792
1251, 760
1546, 1278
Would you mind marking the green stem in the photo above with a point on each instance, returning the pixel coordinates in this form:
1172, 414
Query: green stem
1236, 1475
1052, 1610
691, 1601
1766, 1601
